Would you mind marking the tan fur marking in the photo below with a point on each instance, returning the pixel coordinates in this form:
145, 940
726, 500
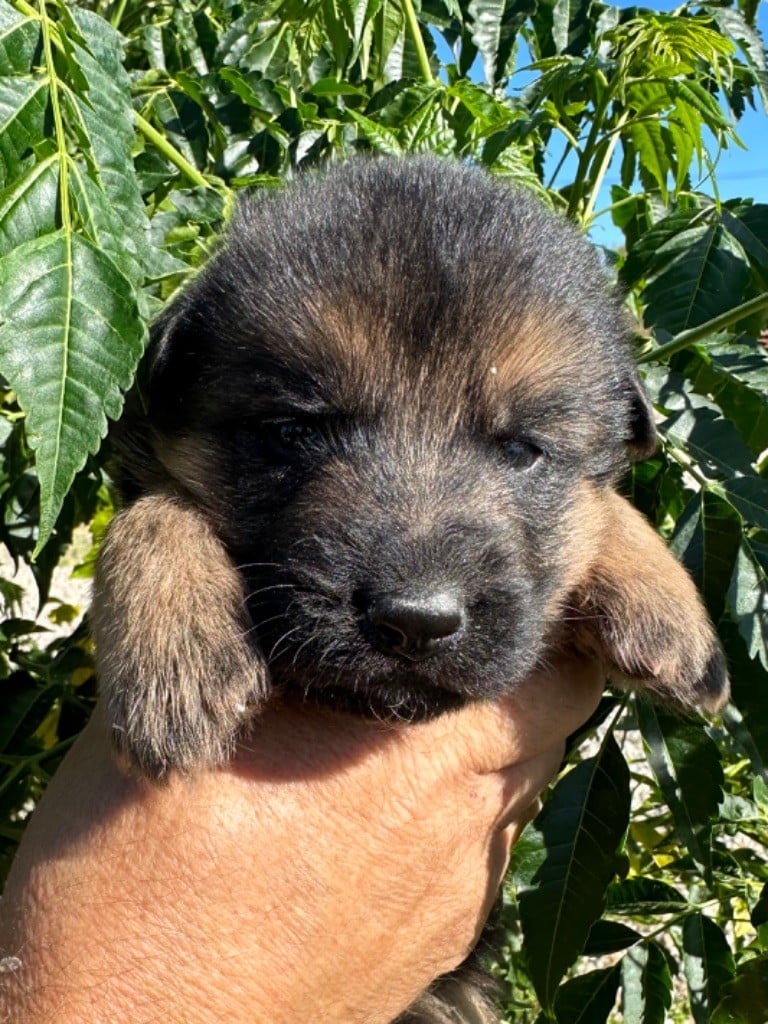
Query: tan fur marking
171, 631
645, 614
537, 351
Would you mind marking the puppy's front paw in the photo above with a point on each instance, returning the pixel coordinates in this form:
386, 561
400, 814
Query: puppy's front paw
180, 710
665, 648
642, 612
176, 669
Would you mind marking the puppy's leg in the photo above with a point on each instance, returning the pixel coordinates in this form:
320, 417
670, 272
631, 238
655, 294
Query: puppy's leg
175, 666
643, 613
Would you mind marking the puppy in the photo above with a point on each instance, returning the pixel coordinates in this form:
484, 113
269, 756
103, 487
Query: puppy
370, 458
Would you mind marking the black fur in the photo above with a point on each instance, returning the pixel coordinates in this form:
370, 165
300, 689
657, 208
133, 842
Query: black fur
421, 273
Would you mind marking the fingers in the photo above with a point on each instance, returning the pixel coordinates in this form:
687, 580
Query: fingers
542, 711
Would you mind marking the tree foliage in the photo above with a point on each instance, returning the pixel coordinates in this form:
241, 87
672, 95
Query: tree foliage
126, 129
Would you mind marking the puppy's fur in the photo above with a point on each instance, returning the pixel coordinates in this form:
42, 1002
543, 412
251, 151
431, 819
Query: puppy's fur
371, 457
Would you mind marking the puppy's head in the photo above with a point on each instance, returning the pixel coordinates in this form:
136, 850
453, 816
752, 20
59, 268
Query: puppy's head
400, 393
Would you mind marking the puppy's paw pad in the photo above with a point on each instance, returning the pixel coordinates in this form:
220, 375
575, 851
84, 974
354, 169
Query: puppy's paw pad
672, 661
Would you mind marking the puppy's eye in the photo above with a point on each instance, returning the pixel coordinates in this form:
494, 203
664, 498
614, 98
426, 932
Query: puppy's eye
521, 454
290, 434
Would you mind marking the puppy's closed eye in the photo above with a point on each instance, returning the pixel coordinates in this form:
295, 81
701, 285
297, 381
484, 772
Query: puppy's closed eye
521, 453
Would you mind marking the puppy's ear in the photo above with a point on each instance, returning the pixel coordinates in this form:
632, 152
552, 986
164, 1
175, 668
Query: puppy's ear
176, 670
643, 614
642, 439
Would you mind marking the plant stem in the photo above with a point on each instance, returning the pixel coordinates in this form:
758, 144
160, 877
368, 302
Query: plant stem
588, 152
26, 762
117, 14
418, 41
603, 168
170, 152
718, 323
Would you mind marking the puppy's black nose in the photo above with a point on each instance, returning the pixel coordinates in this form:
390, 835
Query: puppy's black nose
415, 626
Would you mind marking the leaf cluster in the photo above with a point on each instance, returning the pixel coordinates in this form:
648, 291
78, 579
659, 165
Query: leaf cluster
126, 130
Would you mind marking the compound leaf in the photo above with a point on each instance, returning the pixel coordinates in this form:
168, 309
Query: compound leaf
23, 93
561, 883
707, 539
748, 596
646, 985
588, 998
746, 997
495, 27
686, 763
708, 964
83, 337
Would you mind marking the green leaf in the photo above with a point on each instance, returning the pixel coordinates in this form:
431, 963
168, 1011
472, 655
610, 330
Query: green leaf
332, 87
28, 206
610, 937
561, 883
748, 597
686, 763
19, 41
697, 98
255, 91
23, 93
750, 229
71, 334
482, 104
70, 304
108, 194
691, 267
495, 25
644, 897
646, 985
588, 998
389, 43
648, 140
706, 539
743, 360
749, 495
382, 139
734, 371
697, 283
570, 24
714, 441
708, 964
732, 22
758, 915
746, 997
747, 722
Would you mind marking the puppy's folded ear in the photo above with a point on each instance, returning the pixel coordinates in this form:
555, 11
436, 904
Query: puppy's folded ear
176, 670
642, 439
642, 613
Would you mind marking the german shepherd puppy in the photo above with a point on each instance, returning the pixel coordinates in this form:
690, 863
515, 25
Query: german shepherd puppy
371, 457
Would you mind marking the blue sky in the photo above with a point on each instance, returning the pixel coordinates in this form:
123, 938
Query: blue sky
740, 172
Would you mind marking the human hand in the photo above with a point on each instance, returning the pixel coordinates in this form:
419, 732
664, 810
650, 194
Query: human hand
330, 873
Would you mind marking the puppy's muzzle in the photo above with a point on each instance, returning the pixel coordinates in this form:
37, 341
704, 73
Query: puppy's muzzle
414, 626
